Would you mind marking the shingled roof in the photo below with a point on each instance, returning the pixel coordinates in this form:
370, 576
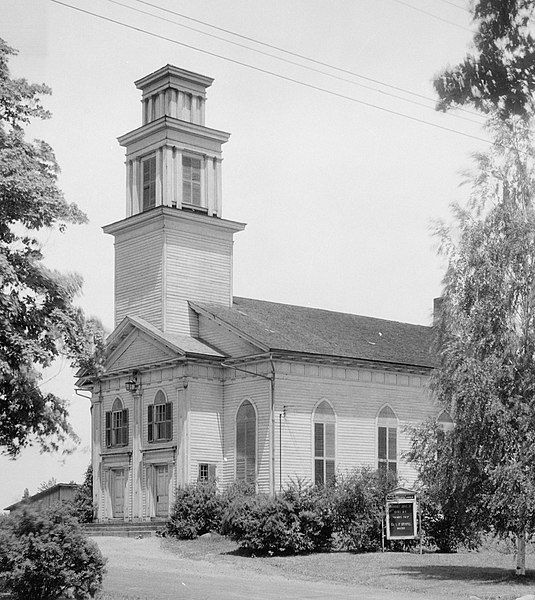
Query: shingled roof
284, 327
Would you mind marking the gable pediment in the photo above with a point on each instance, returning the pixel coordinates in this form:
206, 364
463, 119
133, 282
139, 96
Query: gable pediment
136, 350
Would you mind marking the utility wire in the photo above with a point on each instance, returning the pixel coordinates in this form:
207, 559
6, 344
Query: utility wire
272, 73
455, 5
295, 54
291, 62
430, 14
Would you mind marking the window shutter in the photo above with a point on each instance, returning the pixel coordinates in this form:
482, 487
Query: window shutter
169, 420
329, 472
196, 193
125, 427
329, 440
318, 440
211, 472
382, 443
392, 443
108, 429
240, 451
318, 472
150, 422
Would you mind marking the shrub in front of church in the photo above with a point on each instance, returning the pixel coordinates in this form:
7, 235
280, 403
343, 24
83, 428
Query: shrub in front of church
297, 521
44, 555
197, 510
358, 506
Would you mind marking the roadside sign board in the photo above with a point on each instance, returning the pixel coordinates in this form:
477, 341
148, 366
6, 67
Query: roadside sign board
401, 515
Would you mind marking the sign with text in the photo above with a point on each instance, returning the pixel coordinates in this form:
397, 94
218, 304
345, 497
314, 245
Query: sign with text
401, 515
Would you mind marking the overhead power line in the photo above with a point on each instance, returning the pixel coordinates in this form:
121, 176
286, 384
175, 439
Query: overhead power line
455, 5
295, 54
432, 15
291, 62
272, 73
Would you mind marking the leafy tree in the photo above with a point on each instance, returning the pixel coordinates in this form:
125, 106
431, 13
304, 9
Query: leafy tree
82, 502
485, 467
481, 475
44, 555
38, 320
46, 485
498, 76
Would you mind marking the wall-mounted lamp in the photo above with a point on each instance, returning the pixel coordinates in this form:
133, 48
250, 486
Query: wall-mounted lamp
132, 384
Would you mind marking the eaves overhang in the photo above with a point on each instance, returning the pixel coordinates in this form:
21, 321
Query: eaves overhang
167, 123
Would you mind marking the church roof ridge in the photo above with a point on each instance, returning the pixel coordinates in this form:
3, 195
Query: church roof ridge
300, 329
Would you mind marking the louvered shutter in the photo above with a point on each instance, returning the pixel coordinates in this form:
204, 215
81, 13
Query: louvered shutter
382, 443
392, 443
240, 451
108, 428
196, 182
125, 427
318, 472
150, 423
329, 472
169, 421
329, 440
211, 472
319, 449
250, 451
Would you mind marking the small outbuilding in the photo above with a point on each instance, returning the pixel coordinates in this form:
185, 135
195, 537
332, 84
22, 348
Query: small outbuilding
60, 492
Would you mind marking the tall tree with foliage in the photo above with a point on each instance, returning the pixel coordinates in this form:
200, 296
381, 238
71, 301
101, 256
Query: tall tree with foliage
482, 473
498, 76
38, 320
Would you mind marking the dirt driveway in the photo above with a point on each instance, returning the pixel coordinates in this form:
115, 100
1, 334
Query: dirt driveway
141, 569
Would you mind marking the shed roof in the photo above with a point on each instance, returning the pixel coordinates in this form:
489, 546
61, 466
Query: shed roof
274, 326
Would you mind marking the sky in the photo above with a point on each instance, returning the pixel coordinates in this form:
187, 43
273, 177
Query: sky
339, 193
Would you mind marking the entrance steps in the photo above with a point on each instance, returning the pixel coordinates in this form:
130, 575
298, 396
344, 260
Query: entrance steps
134, 529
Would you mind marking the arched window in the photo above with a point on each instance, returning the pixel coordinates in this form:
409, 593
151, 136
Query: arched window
387, 440
444, 421
160, 419
324, 444
444, 424
246, 443
116, 425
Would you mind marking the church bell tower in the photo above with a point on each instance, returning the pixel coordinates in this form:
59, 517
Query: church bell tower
173, 245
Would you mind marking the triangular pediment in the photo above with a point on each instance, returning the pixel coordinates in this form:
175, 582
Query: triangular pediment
136, 350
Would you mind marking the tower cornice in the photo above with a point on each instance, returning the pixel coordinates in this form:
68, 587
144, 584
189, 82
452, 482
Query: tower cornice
162, 215
175, 125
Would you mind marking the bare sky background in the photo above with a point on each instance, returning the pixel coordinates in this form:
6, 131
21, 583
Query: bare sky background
339, 197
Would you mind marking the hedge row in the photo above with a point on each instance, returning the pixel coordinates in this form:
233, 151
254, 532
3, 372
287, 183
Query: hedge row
301, 519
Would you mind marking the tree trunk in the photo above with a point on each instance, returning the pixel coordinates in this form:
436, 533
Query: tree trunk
521, 553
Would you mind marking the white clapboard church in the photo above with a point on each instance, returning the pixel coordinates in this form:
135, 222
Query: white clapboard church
200, 384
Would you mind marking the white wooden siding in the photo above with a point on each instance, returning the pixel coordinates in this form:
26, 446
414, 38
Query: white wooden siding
356, 401
138, 350
223, 339
205, 426
138, 277
198, 267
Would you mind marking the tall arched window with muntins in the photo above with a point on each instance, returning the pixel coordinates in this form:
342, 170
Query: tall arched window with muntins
160, 419
324, 444
387, 440
116, 425
246, 443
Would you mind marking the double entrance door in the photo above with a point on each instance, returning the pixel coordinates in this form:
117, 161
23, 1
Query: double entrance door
117, 487
161, 490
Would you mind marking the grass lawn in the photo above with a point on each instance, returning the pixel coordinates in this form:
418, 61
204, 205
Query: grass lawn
488, 573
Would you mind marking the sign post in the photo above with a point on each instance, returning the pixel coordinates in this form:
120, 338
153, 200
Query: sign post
402, 515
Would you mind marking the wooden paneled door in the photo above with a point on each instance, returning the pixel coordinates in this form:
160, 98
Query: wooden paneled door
161, 491
117, 485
